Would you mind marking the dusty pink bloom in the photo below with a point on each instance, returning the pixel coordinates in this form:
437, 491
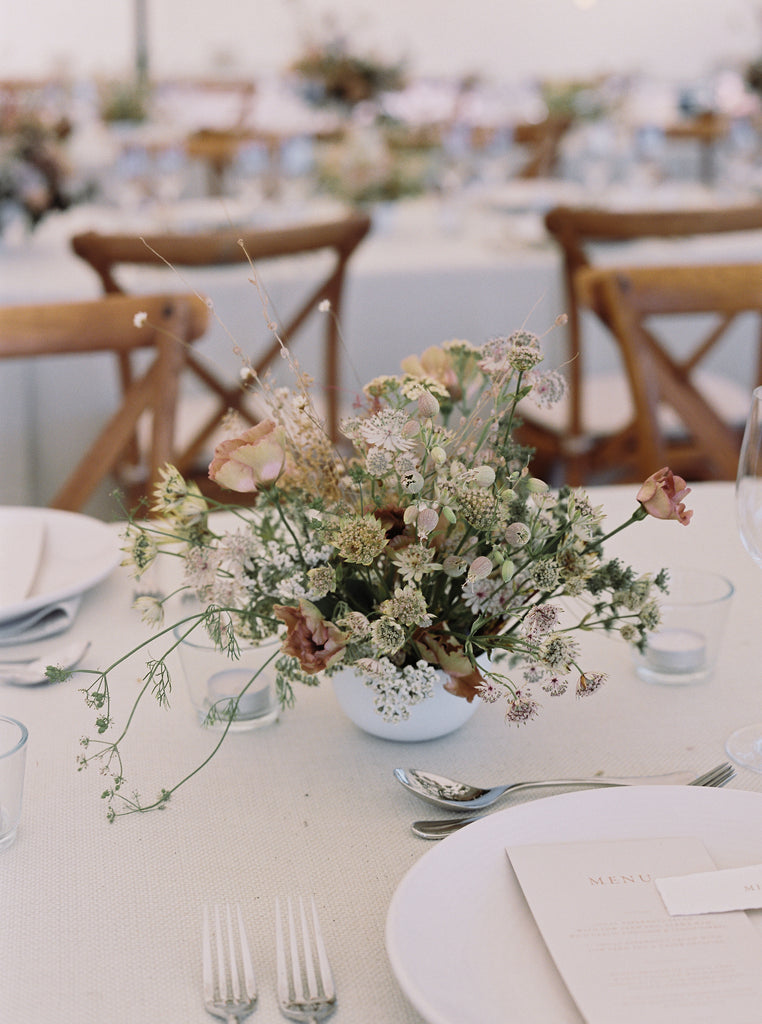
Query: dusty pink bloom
437, 364
316, 642
255, 459
449, 655
662, 496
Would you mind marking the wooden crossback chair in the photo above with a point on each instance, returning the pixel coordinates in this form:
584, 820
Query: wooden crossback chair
107, 325
106, 253
700, 437
543, 141
570, 445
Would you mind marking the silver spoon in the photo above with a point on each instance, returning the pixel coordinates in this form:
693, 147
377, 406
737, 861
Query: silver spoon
452, 795
31, 671
443, 827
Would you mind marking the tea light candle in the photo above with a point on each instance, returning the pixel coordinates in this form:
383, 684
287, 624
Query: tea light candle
226, 685
676, 650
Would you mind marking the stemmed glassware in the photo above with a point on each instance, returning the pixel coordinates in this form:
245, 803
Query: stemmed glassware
744, 746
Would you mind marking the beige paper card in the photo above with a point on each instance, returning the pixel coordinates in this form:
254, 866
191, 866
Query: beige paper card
621, 955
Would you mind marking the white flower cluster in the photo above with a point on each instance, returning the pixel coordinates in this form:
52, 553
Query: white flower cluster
395, 689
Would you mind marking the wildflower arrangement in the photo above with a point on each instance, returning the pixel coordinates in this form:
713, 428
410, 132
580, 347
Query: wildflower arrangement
363, 168
35, 173
426, 546
334, 74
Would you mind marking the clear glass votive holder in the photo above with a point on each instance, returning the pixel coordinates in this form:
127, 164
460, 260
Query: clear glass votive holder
684, 647
219, 685
13, 740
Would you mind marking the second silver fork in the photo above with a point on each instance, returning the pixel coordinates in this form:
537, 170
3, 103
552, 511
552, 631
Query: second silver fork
305, 983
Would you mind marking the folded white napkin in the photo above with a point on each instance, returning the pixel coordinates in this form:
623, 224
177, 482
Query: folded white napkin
44, 622
22, 540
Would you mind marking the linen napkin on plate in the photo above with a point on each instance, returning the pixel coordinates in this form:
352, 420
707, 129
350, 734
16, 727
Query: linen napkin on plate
22, 544
43, 622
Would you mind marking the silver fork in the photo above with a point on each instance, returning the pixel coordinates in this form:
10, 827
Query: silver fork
223, 995
320, 997
439, 828
716, 776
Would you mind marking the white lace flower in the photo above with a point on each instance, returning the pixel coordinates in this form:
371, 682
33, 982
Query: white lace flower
386, 429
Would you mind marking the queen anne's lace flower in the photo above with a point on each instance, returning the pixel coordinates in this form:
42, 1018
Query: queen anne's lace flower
387, 430
395, 690
589, 682
548, 388
378, 461
540, 621
521, 708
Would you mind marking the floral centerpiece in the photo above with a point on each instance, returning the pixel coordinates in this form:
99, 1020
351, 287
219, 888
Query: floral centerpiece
362, 168
35, 172
425, 544
334, 73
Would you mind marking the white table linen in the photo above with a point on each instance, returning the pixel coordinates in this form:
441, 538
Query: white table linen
103, 921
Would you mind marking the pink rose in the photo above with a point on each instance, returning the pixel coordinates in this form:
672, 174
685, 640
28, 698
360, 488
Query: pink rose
662, 496
314, 641
255, 459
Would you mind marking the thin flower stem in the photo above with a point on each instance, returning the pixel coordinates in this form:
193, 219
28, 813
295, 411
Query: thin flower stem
639, 514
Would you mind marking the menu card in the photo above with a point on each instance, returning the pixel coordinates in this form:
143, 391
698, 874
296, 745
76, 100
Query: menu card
622, 956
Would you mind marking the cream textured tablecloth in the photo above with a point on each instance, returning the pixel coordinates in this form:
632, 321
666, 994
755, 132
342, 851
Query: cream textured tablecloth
102, 922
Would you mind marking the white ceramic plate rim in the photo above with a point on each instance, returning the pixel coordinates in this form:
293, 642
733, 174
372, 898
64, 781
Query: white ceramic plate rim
79, 552
461, 941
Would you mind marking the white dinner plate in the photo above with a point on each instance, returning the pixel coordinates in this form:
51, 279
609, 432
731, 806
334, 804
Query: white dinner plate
78, 552
462, 942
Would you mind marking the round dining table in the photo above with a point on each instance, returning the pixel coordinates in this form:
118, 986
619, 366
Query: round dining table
102, 920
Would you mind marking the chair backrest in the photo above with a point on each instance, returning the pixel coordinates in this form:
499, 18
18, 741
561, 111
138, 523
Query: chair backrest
627, 300
169, 324
105, 253
706, 130
543, 141
577, 229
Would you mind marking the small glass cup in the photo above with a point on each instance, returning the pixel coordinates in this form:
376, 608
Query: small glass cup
215, 681
13, 738
684, 648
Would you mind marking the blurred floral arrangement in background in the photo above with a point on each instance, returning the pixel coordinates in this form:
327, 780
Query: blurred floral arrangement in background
333, 72
362, 168
576, 99
422, 543
35, 173
124, 101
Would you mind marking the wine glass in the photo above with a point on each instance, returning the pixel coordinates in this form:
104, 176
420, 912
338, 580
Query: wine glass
744, 746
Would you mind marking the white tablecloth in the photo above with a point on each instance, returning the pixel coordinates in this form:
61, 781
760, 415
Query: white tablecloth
102, 922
